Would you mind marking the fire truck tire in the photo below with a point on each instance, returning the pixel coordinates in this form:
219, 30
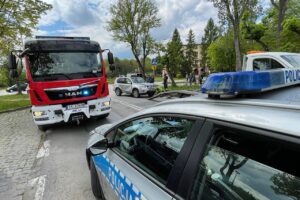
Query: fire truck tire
42, 128
118, 92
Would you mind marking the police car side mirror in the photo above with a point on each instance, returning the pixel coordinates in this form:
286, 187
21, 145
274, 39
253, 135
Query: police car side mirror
99, 147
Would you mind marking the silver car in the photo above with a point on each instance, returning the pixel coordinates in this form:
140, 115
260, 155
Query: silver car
200, 148
134, 86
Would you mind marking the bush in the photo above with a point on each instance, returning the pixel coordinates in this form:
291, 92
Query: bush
4, 79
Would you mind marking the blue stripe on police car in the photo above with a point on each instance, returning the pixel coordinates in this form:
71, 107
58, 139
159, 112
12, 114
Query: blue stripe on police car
119, 183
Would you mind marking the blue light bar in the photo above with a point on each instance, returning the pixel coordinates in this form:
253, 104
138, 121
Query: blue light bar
234, 83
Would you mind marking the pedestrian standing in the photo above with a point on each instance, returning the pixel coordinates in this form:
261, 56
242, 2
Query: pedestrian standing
191, 79
165, 81
187, 78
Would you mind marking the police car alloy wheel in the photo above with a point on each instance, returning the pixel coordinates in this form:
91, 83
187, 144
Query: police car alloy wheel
135, 93
118, 92
96, 187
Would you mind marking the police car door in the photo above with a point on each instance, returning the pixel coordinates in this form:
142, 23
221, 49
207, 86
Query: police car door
128, 85
144, 158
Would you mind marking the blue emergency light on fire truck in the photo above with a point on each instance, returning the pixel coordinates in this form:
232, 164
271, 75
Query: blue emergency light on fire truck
235, 83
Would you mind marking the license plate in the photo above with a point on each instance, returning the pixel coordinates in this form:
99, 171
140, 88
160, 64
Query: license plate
77, 117
75, 106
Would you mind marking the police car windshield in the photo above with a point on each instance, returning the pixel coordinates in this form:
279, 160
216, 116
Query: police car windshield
292, 59
137, 80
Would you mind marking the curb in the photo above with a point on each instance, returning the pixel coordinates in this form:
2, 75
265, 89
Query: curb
15, 109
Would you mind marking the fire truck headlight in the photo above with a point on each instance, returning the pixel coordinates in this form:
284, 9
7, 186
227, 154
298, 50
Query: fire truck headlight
85, 92
39, 113
106, 103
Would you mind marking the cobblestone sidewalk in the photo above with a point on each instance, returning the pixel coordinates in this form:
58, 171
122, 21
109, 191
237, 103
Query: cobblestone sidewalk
19, 143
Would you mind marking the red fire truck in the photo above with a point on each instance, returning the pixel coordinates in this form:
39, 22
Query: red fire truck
67, 79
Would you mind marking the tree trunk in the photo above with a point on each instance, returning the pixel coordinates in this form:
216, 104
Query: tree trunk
171, 77
238, 57
281, 8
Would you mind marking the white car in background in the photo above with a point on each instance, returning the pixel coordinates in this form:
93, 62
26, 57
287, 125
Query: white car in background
134, 86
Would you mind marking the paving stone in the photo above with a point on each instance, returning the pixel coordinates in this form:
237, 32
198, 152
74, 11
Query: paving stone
19, 142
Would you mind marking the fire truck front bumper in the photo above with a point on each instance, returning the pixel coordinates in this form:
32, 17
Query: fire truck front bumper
52, 114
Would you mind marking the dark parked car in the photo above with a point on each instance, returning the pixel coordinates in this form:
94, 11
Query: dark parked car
14, 88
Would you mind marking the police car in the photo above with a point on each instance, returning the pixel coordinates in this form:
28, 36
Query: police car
133, 85
241, 142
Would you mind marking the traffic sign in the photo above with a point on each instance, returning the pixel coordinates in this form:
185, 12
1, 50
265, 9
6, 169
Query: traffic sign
154, 61
153, 67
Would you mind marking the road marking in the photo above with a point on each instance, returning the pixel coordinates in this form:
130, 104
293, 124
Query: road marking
39, 183
44, 151
127, 104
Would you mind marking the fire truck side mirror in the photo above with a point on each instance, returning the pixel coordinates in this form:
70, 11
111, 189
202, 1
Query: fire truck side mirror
110, 57
12, 63
112, 67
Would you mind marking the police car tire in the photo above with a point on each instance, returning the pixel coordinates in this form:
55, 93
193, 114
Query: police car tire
118, 92
135, 93
42, 128
96, 187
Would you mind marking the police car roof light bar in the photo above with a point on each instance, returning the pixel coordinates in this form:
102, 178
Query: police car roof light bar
234, 83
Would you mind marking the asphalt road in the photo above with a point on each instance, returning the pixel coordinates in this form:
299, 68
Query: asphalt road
65, 168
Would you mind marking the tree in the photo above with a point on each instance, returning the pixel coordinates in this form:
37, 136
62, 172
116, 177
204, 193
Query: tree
253, 31
286, 184
175, 57
280, 6
293, 24
131, 23
232, 11
211, 33
17, 19
221, 54
190, 54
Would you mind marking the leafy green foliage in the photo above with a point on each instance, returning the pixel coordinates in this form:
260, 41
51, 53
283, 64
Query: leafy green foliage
131, 23
17, 19
231, 13
221, 54
190, 54
211, 33
174, 56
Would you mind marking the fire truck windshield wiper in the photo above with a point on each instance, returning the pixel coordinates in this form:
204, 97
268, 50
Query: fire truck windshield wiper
57, 74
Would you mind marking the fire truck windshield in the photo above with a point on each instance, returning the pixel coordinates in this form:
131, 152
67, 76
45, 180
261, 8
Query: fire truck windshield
51, 66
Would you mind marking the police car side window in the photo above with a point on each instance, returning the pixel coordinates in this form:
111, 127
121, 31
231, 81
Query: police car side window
120, 80
266, 64
153, 143
238, 166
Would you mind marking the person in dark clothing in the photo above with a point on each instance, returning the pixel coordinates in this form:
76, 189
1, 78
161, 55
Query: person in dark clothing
165, 81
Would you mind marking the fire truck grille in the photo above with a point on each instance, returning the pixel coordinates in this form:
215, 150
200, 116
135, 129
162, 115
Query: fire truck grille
66, 94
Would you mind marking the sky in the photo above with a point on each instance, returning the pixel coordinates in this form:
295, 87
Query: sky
90, 18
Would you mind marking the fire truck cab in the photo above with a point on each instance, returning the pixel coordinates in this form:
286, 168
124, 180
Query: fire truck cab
67, 79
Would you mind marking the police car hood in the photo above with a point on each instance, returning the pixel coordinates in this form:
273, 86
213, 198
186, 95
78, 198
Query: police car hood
98, 134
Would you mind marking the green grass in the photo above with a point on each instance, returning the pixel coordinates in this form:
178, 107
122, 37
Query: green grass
14, 101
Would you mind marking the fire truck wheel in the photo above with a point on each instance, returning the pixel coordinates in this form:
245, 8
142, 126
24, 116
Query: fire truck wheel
118, 92
42, 127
